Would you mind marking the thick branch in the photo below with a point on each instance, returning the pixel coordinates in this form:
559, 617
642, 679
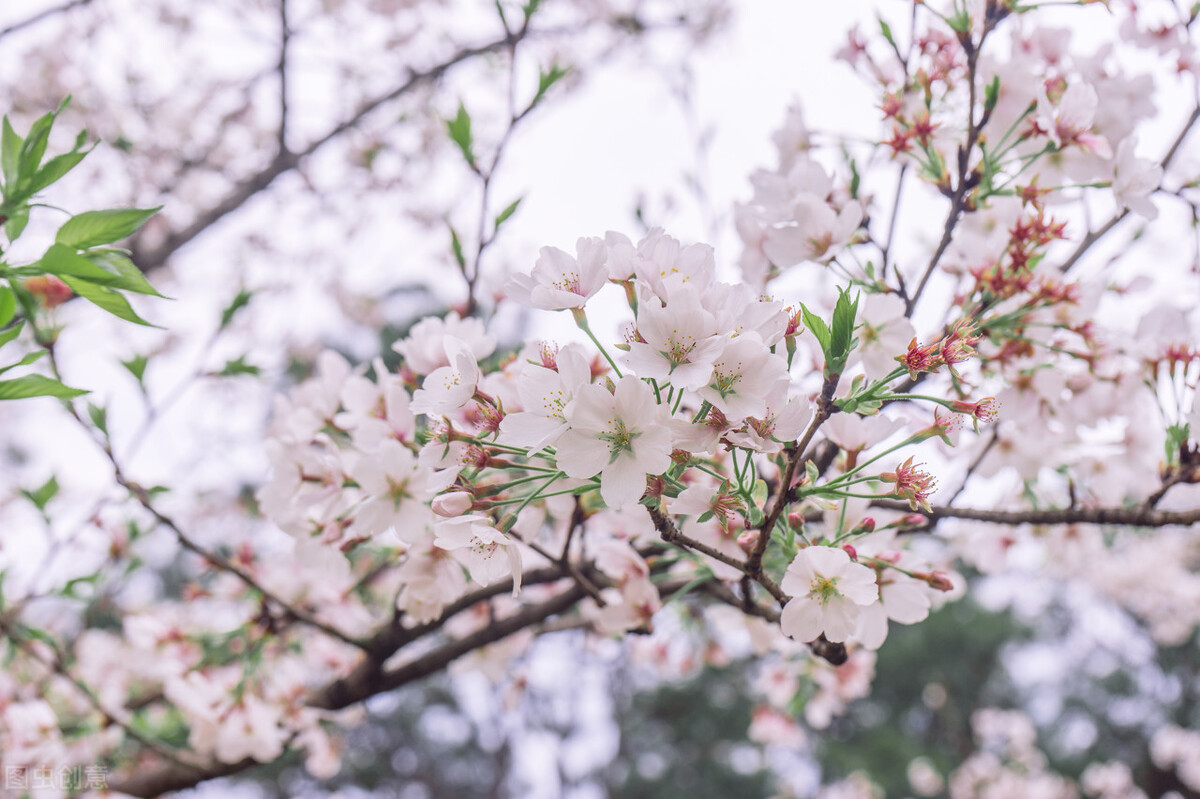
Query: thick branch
357, 688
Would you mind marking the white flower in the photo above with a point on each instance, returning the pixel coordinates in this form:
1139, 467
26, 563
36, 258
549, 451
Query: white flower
448, 388
1134, 179
545, 394
828, 591
621, 436
397, 489
559, 281
424, 350
742, 376
679, 341
477, 545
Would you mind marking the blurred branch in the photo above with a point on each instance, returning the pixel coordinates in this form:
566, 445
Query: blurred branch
1095, 235
1134, 517
36, 18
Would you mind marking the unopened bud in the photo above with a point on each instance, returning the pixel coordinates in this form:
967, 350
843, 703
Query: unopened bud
796, 521
867, 525
940, 580
913, 520
748, 540
453, 504
851, 551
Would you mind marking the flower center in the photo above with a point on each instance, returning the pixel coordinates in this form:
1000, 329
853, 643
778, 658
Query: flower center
824, 589
618, 437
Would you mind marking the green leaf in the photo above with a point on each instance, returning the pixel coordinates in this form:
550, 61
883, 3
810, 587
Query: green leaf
8, 305
99, 417
137, 366
459, 130
10, 152
16, 223
817, 327
42, 495
456, 246
105, 298
991, 94
125, 275
35, 146
29, 358
54, 169
810, 470
759, 493
240, 301
63, 261
11, 333
855, 180
530, 8
886, 30
511, 209
842, 334
93, 228
238, 366
35, 386
548, 79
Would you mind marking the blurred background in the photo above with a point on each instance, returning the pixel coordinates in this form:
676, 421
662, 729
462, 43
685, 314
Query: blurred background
310, 198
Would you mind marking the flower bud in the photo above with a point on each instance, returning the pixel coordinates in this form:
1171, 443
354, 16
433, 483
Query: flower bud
851, 551
940, 580
453, 504
748, 540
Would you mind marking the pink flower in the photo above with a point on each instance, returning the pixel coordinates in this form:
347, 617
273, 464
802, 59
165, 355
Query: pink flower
1134, 179
559, 281
477, 545
621, 436
828, 590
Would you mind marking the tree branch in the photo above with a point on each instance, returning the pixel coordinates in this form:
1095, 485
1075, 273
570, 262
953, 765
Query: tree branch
1134, 517
36, 18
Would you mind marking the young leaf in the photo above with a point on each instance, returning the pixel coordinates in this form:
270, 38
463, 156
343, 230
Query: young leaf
817, 327
503, 216
105, 298
54, 169
8, 305
459, 130
34, 146
93, 228
10, 152
842, 334
16, 223
137, 366
124, 274
35, 386
11, 333
99, 417
991, 94
42, 495
456, 246
886, 30
548, 79
240, 301
29, 358
238, 366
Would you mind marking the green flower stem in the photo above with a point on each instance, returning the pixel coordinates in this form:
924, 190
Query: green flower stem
581, 321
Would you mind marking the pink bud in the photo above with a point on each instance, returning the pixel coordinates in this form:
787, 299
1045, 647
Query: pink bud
453, 504
748, 540
940, 581
851, 551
